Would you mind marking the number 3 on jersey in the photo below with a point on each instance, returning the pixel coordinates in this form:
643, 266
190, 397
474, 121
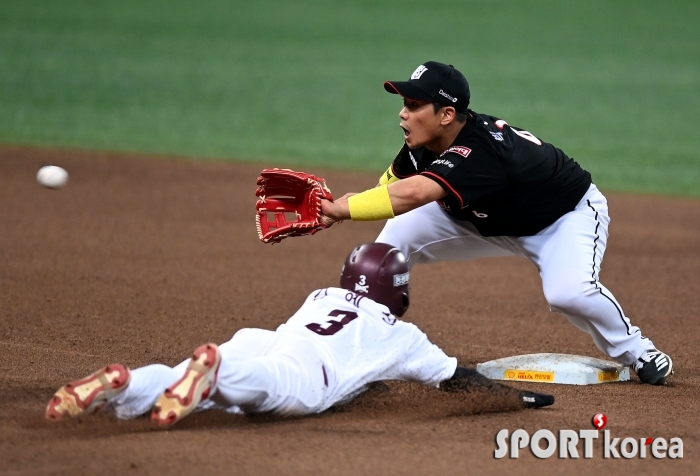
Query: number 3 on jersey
524, 134
333, 327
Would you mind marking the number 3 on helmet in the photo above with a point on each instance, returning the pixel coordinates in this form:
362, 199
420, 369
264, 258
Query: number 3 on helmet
378, 271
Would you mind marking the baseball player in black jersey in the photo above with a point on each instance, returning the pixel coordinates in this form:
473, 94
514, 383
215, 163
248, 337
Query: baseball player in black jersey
467, 185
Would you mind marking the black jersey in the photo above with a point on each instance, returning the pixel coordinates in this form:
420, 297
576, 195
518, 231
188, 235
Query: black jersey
504, 180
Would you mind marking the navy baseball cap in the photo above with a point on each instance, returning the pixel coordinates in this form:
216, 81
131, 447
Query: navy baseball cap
434, 82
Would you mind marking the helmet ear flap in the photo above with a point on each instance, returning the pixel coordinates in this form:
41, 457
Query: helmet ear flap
405, 301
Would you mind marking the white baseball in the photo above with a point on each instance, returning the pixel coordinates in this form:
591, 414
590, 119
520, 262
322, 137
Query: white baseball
52, 176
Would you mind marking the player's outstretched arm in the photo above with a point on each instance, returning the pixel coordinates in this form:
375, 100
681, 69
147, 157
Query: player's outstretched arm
384, 201
469, 380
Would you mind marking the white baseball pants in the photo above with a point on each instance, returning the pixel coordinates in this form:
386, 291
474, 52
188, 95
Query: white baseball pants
245, 381
568, 255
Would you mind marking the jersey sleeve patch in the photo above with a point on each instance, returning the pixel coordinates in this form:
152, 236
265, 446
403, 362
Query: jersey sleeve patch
458, 149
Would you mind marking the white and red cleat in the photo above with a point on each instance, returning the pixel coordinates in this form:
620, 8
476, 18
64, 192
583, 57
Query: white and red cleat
90, 394
182, 397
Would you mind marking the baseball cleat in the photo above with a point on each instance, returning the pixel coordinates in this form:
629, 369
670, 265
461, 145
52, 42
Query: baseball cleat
182, 397
90, 394
536, 400
653, 367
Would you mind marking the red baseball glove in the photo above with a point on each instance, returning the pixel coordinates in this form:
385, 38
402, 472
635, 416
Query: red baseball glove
289, 204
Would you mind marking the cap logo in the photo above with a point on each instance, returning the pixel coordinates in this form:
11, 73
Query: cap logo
419, 72
400, 279
443, 93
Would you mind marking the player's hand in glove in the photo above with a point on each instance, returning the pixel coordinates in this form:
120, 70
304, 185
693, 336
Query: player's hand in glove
335, 211
469, 380
289, 204
536, 400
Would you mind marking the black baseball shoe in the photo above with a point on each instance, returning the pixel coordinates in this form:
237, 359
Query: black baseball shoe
536, 400
653, 367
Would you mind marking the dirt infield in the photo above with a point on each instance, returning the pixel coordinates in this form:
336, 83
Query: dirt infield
141, 259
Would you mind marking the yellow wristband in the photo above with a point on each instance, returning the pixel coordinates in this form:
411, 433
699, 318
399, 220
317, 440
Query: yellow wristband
388, 177
372, 204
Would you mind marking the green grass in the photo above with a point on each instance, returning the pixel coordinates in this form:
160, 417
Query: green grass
614, 84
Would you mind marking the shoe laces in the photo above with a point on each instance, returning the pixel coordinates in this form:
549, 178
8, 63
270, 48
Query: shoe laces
648, 356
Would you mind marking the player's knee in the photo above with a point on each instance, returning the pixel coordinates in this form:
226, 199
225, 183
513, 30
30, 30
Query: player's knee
566, 296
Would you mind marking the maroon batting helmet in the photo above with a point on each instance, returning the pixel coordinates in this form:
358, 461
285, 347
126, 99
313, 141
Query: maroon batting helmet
378, 271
